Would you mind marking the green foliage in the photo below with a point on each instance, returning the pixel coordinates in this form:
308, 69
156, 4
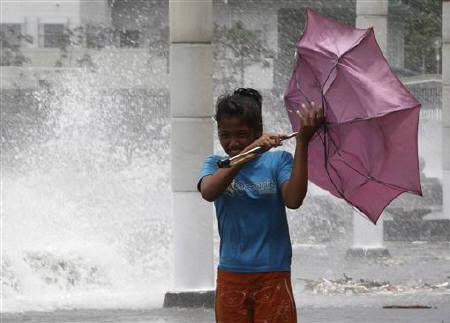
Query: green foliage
100, 37
71, 39
237, 46
23, 129
241, 41
11, 55
423, 32
133, 125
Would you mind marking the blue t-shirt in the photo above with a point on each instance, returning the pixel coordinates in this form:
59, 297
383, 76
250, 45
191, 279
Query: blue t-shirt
253, 229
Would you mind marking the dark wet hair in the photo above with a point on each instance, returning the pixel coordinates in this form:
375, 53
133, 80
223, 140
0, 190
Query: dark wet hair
245, 103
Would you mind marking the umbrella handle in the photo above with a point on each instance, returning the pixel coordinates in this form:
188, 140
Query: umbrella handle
248, 155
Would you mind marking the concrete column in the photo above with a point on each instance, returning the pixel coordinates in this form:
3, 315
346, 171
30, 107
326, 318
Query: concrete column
191, 107
95, 12
368, 238
374, 13
31, 29
446, 107
396, 41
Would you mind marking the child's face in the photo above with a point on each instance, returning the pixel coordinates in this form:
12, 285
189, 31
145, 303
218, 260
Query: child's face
235, 134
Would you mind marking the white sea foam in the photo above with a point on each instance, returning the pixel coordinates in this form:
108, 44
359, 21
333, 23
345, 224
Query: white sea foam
82, 227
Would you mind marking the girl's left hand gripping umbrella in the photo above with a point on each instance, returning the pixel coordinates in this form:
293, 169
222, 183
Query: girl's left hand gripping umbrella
248, 155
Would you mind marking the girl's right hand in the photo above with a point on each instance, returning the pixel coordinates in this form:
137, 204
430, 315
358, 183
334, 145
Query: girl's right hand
311, 118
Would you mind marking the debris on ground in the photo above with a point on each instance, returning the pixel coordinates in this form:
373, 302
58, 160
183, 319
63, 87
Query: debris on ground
348, 286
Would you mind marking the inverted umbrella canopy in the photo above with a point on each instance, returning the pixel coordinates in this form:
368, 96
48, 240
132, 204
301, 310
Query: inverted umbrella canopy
366, 151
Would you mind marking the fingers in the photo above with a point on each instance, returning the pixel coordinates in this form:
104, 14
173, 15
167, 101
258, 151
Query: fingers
311, 117
305, 116
318, 112
310, 114
268, 141
276, 139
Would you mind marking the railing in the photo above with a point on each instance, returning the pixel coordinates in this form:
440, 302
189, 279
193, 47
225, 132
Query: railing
430, 97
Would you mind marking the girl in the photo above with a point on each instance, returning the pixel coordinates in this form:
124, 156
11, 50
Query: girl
253, 277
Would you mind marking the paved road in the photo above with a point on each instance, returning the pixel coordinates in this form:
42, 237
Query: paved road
346, 314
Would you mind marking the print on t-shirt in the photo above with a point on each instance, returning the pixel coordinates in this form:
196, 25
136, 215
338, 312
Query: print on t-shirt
242, 188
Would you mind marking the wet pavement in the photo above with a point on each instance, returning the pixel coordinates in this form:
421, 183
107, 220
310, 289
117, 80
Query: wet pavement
411, 264
306, 315
411, 272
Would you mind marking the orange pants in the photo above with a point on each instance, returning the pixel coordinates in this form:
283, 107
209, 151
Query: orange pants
254, 298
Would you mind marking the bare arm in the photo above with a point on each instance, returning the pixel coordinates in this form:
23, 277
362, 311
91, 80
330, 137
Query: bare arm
294, 190
211, 186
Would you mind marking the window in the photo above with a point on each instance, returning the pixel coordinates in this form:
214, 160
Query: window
54, 36
10, 35
129, 38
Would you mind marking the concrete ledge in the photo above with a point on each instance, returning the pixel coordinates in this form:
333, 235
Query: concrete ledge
190, 299
422, 230
372, 8
371, 253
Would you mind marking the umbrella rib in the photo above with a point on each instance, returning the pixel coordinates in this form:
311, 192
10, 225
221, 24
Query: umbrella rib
341, 193
325, 146
359, 209
296, 80
338, 152
393, 186
351, 172
374, 116
326, 159
370, 178
357, 42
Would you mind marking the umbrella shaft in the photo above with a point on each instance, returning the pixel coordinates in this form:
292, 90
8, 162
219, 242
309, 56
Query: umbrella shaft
247, 156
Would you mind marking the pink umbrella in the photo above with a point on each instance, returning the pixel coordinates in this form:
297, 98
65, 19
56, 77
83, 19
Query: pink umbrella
366, 151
